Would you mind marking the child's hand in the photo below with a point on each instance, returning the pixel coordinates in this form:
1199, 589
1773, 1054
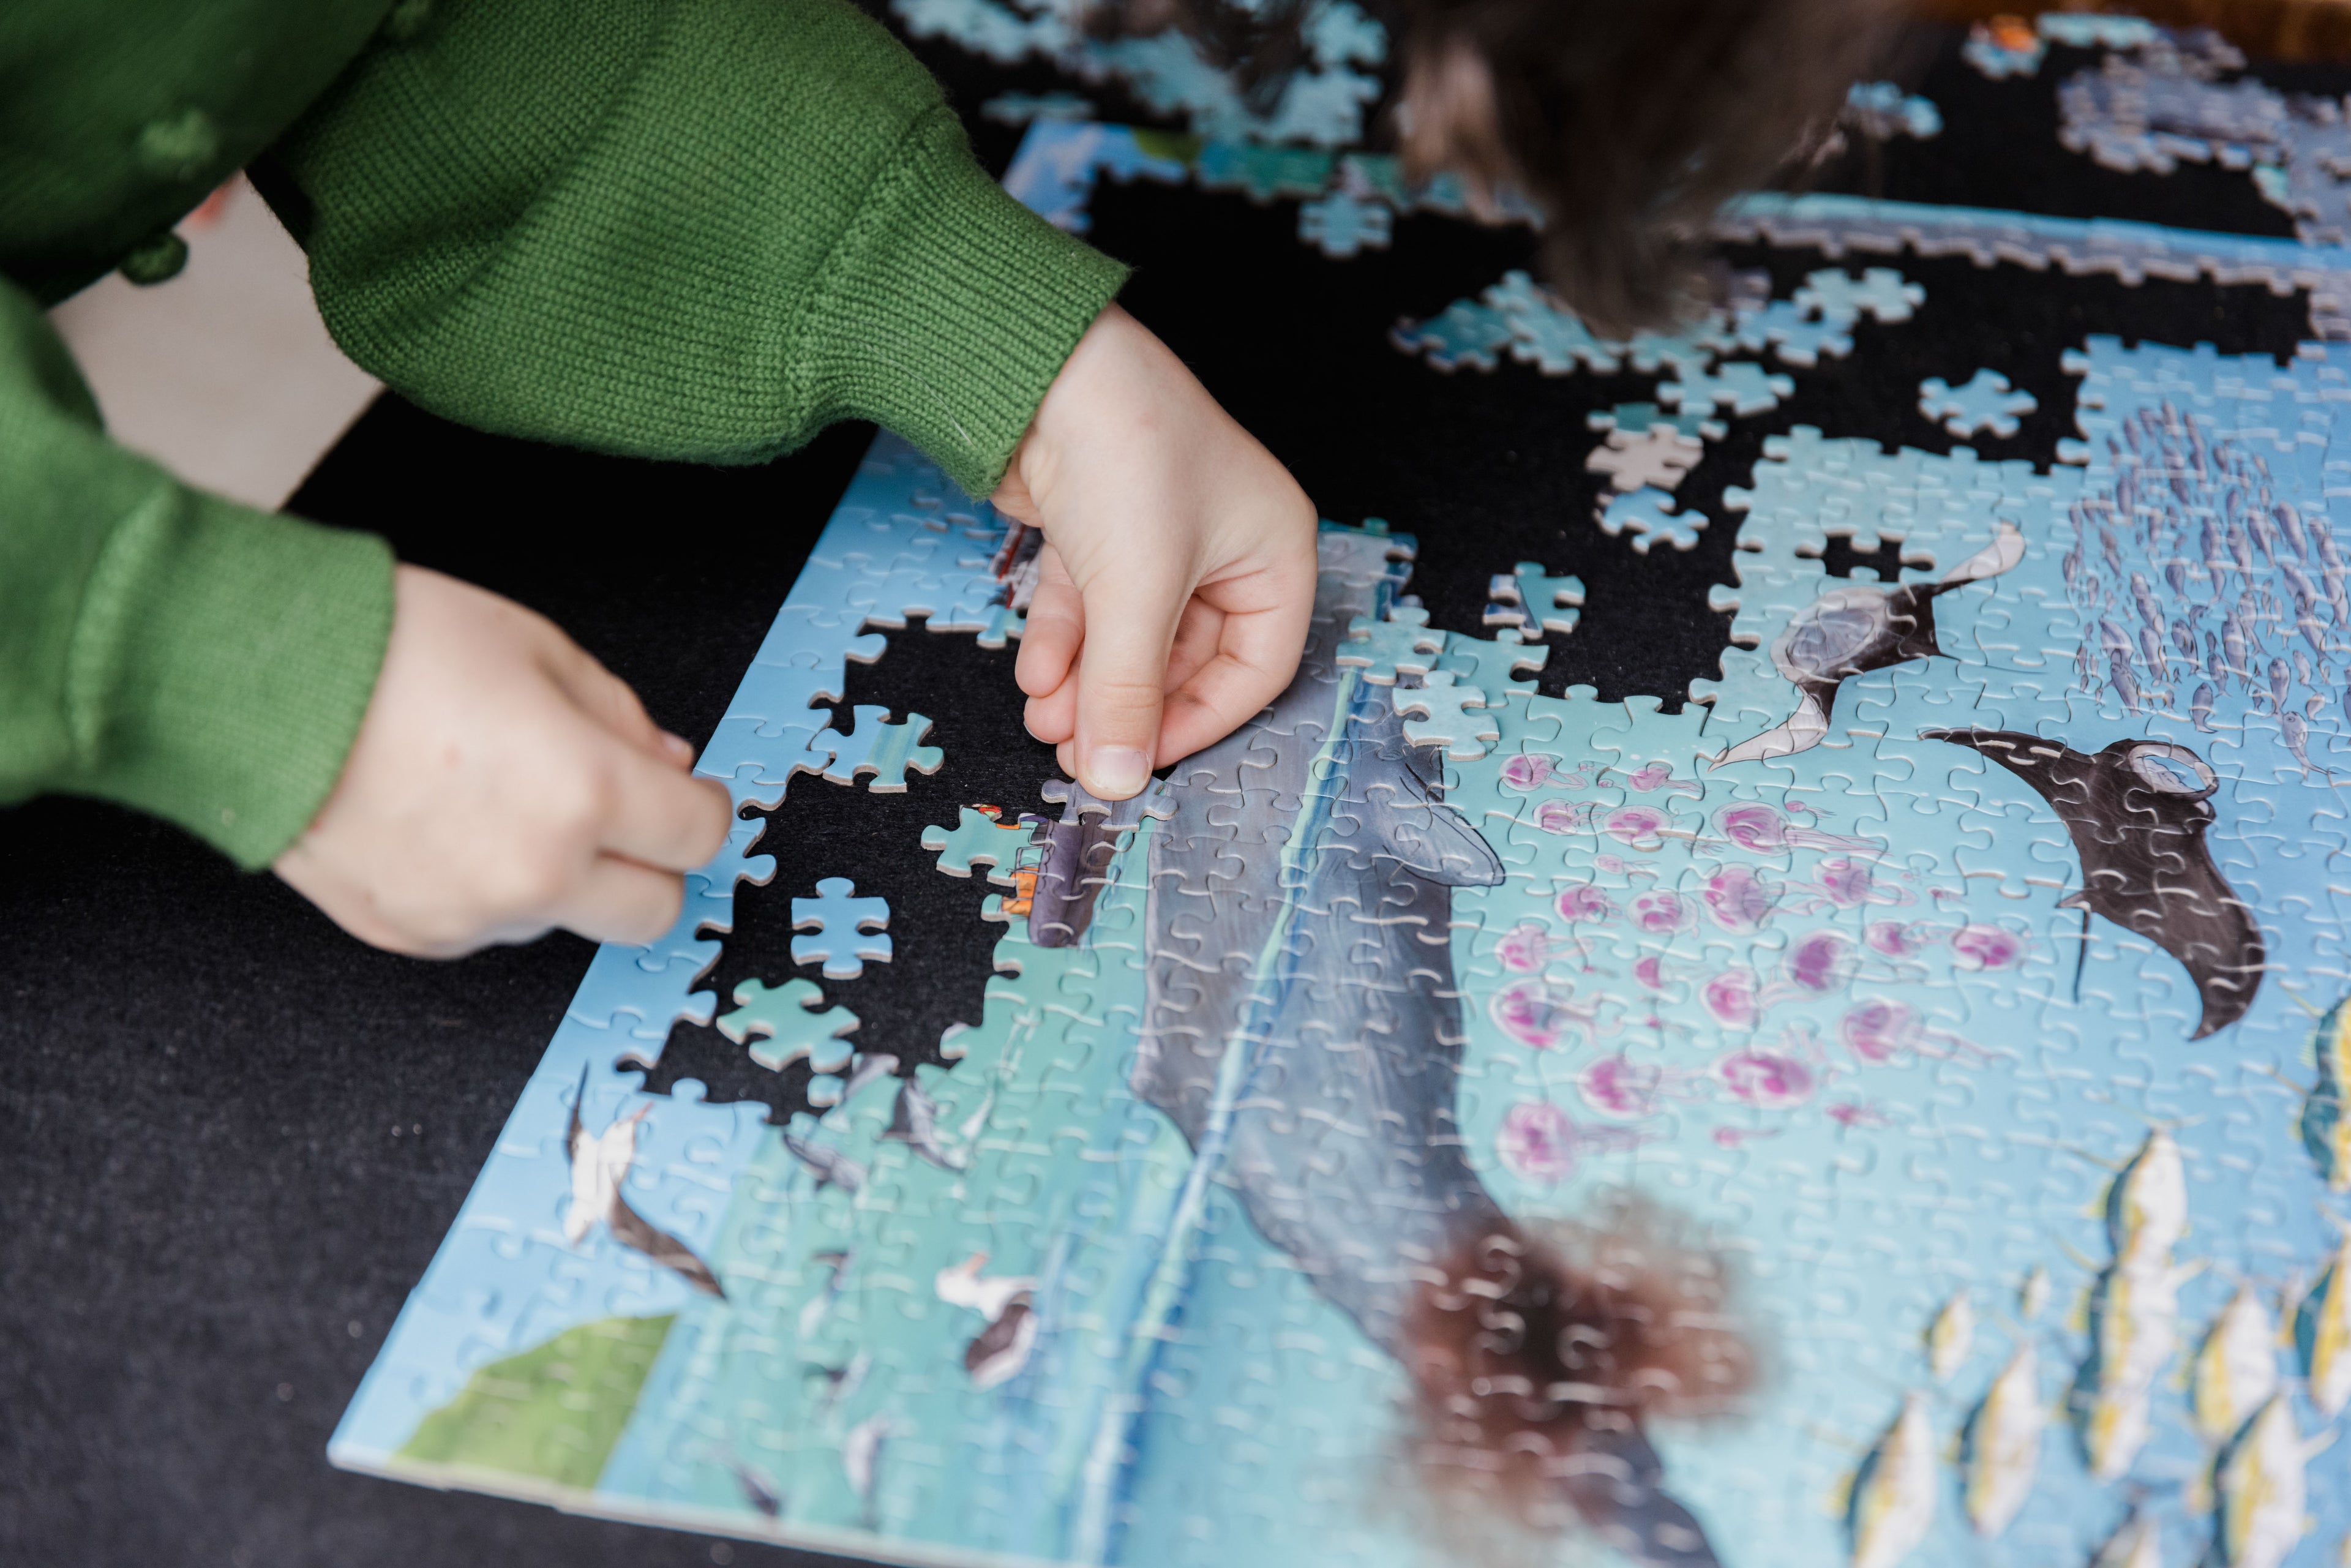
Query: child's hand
503, 782
1178, 568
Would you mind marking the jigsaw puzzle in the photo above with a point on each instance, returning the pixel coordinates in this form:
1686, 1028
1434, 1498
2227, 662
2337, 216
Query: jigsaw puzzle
1966, 965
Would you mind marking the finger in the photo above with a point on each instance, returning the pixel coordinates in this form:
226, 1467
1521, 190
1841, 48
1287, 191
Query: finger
1257, 661
660, 816
1130, 626
606, 698
1053, 716
1198, 635
617, 900
1055, 627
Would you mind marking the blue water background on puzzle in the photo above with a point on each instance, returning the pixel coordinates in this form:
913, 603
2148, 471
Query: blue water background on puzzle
1249, 1422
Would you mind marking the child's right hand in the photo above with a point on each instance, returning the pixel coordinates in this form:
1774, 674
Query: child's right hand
1177, 578
503, 783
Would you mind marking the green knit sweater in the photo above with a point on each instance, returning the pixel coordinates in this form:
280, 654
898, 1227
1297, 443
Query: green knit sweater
696, 229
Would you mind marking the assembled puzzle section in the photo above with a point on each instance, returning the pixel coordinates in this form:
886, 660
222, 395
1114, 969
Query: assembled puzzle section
1966, 961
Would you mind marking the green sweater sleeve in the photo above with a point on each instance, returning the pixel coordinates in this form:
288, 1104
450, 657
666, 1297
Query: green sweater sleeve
160, 647
680, 228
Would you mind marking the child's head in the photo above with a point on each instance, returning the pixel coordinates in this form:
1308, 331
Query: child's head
1628, 122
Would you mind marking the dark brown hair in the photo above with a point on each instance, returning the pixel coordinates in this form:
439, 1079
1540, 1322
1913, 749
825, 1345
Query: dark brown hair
1628, 122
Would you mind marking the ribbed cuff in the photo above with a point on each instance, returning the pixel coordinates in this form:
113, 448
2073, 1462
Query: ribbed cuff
950, 308
221, 666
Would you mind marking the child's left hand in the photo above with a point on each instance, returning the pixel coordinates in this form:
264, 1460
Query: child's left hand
1178, 575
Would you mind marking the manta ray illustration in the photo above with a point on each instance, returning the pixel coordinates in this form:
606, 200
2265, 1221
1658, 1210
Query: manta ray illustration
1853, 630
2138, 812
1303, 1028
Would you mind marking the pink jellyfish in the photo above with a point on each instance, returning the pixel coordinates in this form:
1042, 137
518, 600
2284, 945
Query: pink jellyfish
1820, 962
1524, 947
1986, 947
1584, 904
1767, 1079
1730, 997
1620, 1087
1879, 1029
1848, 884
1529, 770
1737, 900
1651, 972
1902, 939
1537, 1142
1564, 816
1763, 830
1539, 1015
1638, 827
1649, 777
1856, 1115
1662, 914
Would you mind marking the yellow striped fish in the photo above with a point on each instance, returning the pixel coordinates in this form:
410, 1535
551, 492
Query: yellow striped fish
2002, 1451
2322, 1335
1894, 1496
2137, 1544
2114, 1429
1950, 1336
2146, 1207
2326, 1128
2235, 1372
2264, 1496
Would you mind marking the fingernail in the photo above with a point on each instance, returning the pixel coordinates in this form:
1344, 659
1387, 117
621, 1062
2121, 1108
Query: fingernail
1114, 772
678, 746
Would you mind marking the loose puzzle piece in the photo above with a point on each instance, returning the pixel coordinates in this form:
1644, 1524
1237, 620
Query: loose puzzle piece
1342, 224
1401, 644
1984, 401
1443, 711
784, 1018
978, 837
848, 929
875, 746
1648, 516
1526, 598
1742, 387
1656, 458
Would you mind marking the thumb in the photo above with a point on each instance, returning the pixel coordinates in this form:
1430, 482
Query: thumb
1131, 614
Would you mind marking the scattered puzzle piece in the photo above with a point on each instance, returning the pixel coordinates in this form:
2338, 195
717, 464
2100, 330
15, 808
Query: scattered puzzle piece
848, 929
1648, 517
1443, 711
783, 1017
1656, 458
1342, 224
1982, 402
978, 837
1528, 598
1742, 387
875, 746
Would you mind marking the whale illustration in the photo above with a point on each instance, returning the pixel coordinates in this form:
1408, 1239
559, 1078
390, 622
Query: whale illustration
1303, 1028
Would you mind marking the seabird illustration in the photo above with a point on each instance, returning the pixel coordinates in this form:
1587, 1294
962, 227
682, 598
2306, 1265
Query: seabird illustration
1002, 1347
861, 1460
599, 1164
2137, 824
831, 1167
819, 1306
1853, 630
914, 1122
